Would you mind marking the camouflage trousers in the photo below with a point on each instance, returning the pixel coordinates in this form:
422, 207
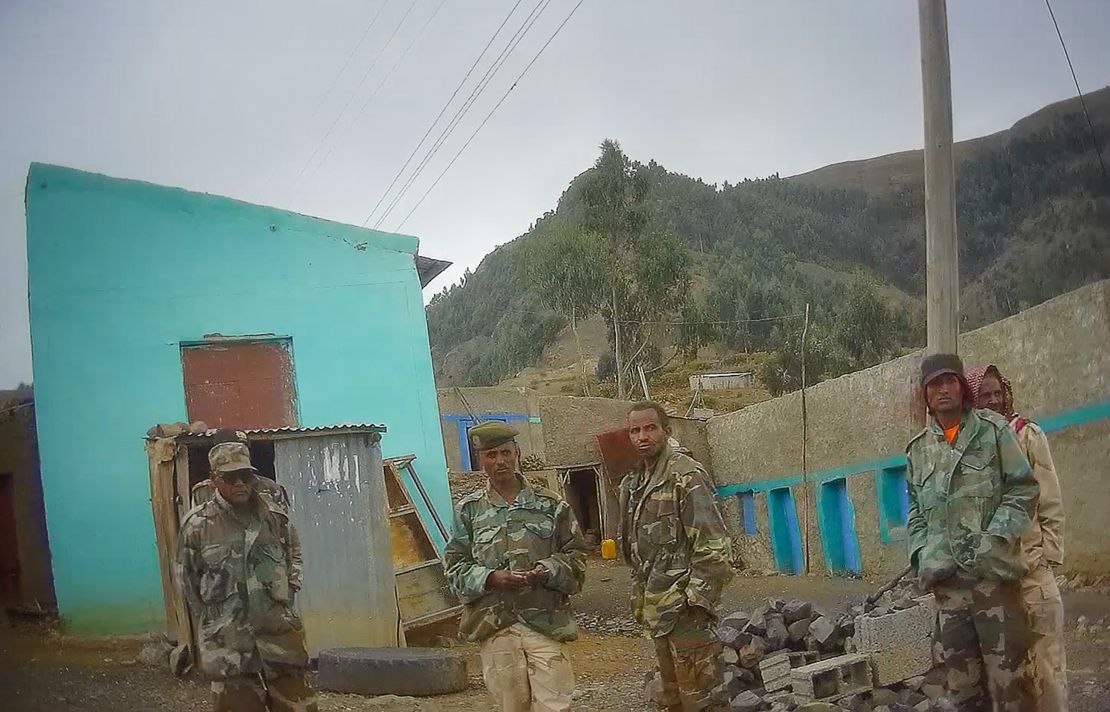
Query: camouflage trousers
251, 693
526, 671
1046, 617
987, 641
690, 665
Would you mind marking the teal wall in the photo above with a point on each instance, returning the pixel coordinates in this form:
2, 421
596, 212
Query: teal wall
120, 273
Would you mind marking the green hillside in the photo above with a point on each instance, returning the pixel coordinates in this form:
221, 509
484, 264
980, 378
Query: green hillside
1033, 219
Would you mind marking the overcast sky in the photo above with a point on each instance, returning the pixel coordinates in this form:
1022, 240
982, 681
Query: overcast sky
277, 102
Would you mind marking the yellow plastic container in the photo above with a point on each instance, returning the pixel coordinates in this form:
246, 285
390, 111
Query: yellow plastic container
609, 549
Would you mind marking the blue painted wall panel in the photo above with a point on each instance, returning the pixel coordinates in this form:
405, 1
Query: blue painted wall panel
120, 274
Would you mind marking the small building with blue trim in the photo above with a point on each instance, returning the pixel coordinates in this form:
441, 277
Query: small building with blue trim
151, 304
855, 507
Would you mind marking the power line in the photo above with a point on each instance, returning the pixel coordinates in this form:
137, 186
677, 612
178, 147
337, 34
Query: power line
335, 79
442, 112
347, 62
362, 110
467, 105
351, 98
1082, 100
463, 110
494, 109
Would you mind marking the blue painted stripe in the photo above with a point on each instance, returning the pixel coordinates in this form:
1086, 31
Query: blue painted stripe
1071, 418
486, 416
1079, 416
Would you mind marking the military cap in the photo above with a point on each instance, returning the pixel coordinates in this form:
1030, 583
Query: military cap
491, 434
230, 457
936, 365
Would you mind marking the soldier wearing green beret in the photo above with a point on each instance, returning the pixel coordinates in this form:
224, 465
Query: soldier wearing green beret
515, 557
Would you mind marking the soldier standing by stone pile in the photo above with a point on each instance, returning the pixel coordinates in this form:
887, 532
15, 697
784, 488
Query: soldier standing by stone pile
675, 541
1042, 543
515, 557
972, 497
239, 572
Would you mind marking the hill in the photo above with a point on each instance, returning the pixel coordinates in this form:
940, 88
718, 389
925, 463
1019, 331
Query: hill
848, 239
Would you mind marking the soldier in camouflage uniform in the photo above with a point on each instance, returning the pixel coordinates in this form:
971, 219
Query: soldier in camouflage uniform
972, 496
675, 541
237, 567
205, 490
1042, 543
515, 557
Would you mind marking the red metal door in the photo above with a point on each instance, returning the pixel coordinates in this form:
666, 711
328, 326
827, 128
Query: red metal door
9, 547
240, 384
618, 455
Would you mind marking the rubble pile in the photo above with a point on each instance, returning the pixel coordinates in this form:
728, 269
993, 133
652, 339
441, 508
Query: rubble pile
791, 655
609, 625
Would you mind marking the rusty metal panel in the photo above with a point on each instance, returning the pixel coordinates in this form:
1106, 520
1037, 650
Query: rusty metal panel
240, 384
617, 454
338, 504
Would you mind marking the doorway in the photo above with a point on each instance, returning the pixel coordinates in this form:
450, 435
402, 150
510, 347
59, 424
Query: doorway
583, 492
9, 545
837, 520
785, 534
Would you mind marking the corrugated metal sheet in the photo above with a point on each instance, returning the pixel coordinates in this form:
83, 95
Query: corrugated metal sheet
337, 428
339, 507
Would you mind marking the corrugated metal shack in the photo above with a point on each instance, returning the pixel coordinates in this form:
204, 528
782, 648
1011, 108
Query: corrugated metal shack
333, 478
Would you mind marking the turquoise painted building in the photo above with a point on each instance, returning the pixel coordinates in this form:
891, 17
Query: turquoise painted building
123, 277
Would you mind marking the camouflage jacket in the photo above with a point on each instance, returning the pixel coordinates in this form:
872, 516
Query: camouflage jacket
673, 537
239, 578
490, 534
970, 502
205, 491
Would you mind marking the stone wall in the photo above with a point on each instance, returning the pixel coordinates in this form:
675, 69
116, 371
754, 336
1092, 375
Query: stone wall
1057, 355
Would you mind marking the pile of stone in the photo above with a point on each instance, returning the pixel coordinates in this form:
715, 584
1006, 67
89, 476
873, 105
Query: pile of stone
790, 655
609, 625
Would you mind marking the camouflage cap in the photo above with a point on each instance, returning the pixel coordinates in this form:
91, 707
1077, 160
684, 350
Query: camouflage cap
491, 434
229, 457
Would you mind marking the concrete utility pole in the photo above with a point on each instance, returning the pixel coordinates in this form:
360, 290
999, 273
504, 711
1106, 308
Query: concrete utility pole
942, 288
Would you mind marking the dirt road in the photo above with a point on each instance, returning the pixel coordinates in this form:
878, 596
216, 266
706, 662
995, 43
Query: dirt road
42, 670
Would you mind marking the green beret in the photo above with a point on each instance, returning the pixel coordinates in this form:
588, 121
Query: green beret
491, 434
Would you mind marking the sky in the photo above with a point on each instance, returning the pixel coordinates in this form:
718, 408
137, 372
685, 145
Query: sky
315, 107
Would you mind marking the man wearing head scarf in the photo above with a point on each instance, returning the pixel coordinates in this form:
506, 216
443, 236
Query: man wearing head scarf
1042, 543
972, 496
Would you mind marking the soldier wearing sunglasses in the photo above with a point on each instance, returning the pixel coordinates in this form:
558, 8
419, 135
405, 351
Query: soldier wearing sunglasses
239, 565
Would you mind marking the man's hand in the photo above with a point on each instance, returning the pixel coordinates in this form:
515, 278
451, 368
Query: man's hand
506, 581
537, 576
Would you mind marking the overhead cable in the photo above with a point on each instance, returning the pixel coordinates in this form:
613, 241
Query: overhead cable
442, 112
463, 110
494, 109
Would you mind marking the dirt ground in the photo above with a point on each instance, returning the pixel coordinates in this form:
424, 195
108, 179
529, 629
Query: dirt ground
41, 669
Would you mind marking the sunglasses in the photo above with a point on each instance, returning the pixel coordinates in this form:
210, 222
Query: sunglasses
244, 476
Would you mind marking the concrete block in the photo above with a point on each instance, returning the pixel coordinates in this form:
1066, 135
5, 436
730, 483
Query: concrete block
895, 629
831, 678
775, 670
900, 643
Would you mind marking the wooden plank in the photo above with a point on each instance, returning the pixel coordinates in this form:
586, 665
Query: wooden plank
423, 592
163, 495
406, 546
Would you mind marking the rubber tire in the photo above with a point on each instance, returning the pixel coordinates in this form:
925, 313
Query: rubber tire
392, 671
